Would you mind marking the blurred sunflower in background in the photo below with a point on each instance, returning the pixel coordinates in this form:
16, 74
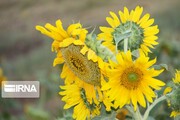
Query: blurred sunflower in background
132, 27
174, 96
2, 77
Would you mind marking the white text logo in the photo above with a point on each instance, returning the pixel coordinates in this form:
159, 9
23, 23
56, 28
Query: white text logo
20, 89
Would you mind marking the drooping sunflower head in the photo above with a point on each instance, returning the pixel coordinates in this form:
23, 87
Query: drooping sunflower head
84, 69
75, 95
132, 27
132, 80
81, 62
62, 37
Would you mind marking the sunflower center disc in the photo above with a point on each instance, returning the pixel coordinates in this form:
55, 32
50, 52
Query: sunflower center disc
83, 68
129, 30
131, 77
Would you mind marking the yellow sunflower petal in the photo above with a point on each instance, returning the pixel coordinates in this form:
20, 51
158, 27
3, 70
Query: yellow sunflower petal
124, 16
58, 61
144, 19
61, 29
140, 98
116, 19
84, 50
64, 72
134, 99
147, 24
106, 29
66, 42
111, 22
73, 27
126, 13
137, 13
167, 90
174, 113
44, 31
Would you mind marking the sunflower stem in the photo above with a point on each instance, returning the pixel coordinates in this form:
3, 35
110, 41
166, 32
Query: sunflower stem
135, 114
130, 109
138, 115
146, 114
125, 45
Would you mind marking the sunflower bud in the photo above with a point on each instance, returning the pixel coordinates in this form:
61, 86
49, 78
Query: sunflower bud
98, 48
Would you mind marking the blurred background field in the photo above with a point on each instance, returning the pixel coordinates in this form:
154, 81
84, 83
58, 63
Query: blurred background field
25, 54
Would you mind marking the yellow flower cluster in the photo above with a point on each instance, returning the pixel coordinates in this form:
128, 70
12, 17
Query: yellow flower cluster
103, 69
81, 70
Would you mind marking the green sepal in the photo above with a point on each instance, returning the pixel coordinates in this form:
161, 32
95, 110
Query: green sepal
96, 45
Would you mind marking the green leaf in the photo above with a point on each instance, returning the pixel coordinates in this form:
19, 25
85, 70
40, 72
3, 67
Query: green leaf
160, 66
135, 53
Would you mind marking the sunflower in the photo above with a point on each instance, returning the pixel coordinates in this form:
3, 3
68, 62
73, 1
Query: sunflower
75, 95
138, 31
174, 103
69, 45
78, 68
81, 64
2, 77
132, 81
173, 99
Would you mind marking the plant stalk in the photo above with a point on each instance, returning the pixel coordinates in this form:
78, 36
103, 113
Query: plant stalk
146, 114
125, 45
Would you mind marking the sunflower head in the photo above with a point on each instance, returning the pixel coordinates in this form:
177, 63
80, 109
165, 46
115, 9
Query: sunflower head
84, 69
132, 79
75, 95
137, 31
131, 31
